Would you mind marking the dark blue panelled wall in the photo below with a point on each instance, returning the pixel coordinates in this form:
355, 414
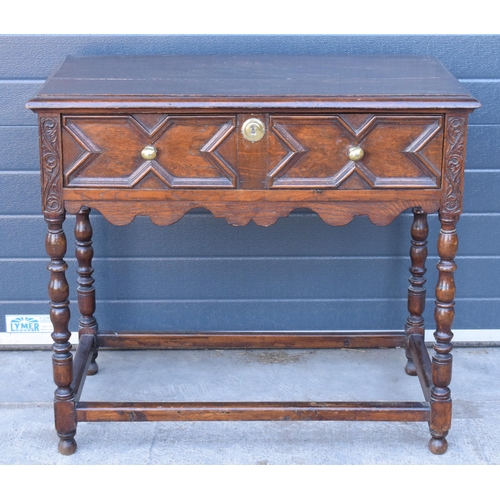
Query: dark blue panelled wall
202, 273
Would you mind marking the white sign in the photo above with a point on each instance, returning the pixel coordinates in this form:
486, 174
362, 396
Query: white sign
33, 323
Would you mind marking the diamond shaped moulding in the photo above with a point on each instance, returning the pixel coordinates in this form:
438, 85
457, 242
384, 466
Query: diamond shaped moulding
105, 151
400, 151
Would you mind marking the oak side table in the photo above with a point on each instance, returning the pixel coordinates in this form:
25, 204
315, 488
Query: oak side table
252, 138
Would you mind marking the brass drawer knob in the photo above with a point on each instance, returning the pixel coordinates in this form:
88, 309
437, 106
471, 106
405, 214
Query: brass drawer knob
149, 153
355, 153
253, 130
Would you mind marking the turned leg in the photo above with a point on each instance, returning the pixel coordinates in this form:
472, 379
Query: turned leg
440, 421
85, 291
62, 359
416, 290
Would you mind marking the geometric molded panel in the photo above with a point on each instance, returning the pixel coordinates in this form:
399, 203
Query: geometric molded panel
399, 151
192, 151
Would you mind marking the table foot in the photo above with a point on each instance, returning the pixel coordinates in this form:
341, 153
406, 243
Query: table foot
410, 368
438, 446
93, 368
67, 445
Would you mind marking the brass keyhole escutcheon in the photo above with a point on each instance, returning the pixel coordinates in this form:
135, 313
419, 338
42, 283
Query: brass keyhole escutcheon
253, 130
149, 153
355, 153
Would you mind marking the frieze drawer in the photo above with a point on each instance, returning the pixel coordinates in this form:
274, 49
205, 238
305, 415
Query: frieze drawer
295, 152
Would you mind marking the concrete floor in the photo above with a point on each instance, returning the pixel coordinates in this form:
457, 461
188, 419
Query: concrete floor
27, 434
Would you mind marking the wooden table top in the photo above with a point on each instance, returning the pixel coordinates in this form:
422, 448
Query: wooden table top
354, 80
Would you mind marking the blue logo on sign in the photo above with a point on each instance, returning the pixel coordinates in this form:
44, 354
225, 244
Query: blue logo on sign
24, 324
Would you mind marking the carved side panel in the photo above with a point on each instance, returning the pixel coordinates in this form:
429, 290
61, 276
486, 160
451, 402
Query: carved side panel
454, 161
50, 139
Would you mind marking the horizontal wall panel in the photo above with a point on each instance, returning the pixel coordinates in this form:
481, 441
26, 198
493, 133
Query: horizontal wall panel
202, 235
304, 315
22, 236
345, 315
19, 148
261, 315
483, 147
250, 279
481, 192
20, 193
13, 97
466, 56
488, 94
478, 235
301, 234
221, 279
265, 315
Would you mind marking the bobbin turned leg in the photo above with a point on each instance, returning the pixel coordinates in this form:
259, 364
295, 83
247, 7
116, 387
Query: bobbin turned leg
62, 359
440, 421
416, 290
85, 291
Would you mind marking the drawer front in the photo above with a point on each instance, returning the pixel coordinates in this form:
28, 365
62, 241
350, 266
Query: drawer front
313, 151
192, 152
296, 152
